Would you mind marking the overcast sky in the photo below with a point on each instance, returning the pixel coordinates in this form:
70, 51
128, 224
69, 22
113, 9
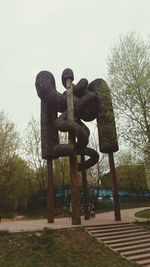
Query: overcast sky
51, 35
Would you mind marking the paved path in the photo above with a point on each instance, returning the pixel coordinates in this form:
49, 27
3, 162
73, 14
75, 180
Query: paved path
101, 218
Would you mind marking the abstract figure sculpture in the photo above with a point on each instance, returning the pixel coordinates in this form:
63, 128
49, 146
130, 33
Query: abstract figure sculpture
79, 102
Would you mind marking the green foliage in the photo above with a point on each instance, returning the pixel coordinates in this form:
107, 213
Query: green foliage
20, 186
129, 80
16, 177
128, 177
104, 207
22, 182
9, 142
4, 233
143, 214
32, 149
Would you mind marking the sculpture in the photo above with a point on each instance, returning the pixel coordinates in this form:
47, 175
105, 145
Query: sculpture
90, 101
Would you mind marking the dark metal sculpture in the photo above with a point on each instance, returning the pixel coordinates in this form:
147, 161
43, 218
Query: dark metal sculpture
90, 101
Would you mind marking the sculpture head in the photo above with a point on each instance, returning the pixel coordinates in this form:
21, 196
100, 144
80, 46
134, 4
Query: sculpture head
45, 81
67, 74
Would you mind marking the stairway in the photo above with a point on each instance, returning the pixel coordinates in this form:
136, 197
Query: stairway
128, 239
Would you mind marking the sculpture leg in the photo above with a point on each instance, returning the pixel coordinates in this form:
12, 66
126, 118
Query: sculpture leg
75, 195
85, 191
50, 192
114, 188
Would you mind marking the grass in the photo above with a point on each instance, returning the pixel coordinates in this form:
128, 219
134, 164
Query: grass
143, 214
37, 213
41, 212
104, 207
135, 204
58, 248
4, 233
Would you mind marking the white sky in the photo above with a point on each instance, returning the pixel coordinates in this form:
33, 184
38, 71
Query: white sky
52, 35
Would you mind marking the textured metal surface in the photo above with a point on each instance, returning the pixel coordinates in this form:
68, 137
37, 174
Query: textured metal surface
91, 102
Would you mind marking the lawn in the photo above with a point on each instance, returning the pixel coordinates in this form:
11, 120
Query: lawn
41, 212
57, 248
143, 214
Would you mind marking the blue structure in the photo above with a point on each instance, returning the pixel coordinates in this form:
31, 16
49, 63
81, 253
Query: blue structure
124, 194
104, 194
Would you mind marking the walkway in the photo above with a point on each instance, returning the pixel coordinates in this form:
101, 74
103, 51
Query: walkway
101, 218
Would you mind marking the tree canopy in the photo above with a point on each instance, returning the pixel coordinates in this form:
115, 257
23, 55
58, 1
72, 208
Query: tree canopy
129, 80
8, 146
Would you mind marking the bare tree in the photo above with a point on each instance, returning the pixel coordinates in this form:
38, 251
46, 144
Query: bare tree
96, 172
32, 147
9, 142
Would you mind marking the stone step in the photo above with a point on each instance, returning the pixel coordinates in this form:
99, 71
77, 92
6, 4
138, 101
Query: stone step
115, 233
119, 246
136, 251
145, 263
111, 230
126, 239
121, 236
144, 256
123, 239
128, 247
108, 226
131, 241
